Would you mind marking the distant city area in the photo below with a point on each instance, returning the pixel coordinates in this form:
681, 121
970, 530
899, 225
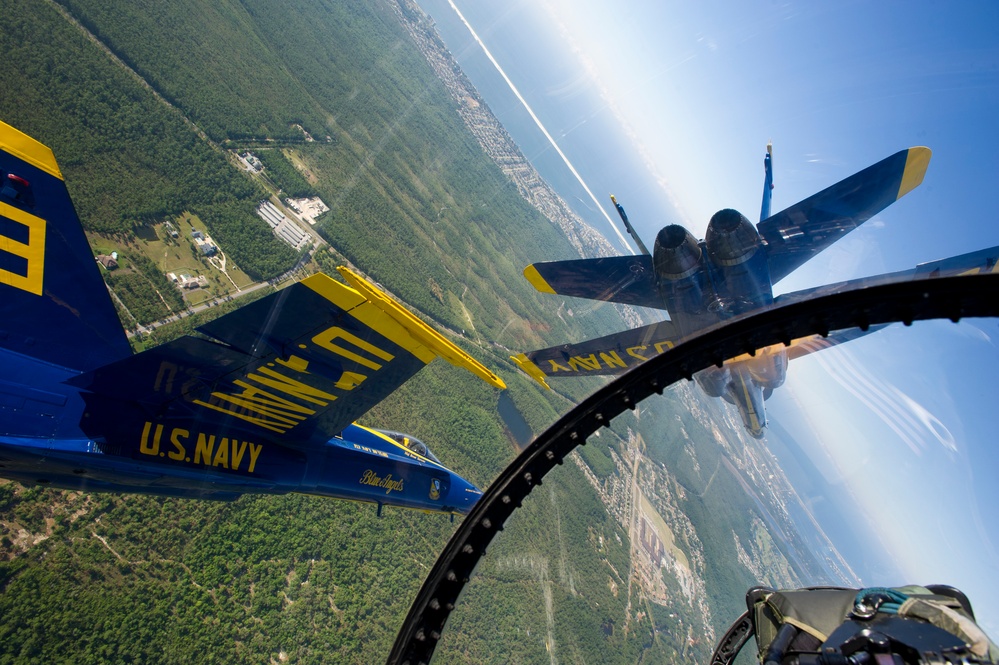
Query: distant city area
495, 140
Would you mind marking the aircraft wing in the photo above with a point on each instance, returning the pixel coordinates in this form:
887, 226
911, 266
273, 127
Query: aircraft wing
802, 346
295, 367
972, 263
806, 345
980, 261
623, 279
796, 234
616, 353
612, 354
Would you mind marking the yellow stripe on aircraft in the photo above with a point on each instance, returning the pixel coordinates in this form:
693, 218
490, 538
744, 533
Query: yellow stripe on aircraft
754, 420
399, 445
420, 333
976, 271
361, 308
33, 252
530, 369
536, 280
339, 294
814, 343
24, 147
915, 168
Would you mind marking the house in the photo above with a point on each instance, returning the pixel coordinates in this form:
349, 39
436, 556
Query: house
252, 161
206, 247
188, 282
204, 243
109, 262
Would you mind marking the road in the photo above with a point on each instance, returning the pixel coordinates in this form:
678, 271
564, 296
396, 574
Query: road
288, 275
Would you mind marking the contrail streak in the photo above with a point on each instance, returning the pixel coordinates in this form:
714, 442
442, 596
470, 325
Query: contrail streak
537, 122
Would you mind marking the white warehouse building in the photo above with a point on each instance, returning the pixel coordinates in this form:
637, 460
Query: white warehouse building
283, 228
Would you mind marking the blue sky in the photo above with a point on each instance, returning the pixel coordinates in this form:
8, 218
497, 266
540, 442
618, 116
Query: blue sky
901, 424
689, 96
670, 105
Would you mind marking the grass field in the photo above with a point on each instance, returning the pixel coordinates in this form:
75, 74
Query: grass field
179, 256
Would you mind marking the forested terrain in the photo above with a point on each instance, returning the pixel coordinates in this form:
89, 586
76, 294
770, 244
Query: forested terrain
143, 288
284, 175
416, 205
561, 578
128, 158
236, 227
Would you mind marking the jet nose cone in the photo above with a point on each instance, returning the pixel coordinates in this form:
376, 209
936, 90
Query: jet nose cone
463, 495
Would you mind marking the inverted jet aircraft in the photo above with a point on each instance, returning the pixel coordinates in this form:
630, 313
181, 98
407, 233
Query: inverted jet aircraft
730, 272
262, 401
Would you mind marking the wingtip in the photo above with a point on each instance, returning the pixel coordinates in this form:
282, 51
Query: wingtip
419, 330
24, 147
536, 280
916, 162
529, 368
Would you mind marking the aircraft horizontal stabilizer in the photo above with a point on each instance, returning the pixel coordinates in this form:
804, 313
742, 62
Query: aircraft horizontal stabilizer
612, 354
629, 280
420, 331
296, 367
796, 234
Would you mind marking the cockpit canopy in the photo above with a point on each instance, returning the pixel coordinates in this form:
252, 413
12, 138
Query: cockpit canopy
411, 443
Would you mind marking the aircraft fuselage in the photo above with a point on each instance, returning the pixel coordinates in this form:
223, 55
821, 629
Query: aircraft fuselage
42, 441
703, 283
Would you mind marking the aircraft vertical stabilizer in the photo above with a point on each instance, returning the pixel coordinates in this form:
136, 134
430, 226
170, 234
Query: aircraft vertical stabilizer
54, 305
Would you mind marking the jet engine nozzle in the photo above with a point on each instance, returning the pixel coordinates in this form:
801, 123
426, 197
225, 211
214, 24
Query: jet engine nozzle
731, 239
676, 253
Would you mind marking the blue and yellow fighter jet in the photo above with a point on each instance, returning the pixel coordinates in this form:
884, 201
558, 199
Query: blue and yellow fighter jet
263, 401
730, 272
